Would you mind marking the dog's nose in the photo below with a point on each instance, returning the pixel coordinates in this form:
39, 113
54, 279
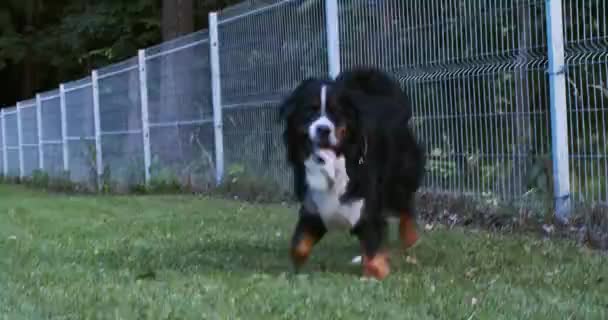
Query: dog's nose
323, 131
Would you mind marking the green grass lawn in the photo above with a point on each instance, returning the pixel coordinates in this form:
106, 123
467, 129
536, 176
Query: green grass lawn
186, 257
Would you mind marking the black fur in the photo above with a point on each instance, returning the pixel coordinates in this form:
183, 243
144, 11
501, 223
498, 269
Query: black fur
384, 162
385, 158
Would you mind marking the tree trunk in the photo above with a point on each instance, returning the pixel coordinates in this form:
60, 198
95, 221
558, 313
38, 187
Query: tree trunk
177, 18
29, 79
175, 88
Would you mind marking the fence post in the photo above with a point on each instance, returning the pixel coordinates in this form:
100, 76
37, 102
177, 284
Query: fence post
5, 148
143, 93
216, 94
64, 129
39, 125
20, 142
559, 115
333, 36
97, 120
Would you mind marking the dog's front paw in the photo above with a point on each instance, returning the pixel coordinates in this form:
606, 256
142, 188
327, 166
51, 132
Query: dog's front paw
376, 267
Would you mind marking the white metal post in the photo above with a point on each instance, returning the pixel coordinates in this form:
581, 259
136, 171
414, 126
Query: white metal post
333, 36
20, 142
64, 129
216, 94
97, 120
143, 92
559, 115
39, 122
5, 150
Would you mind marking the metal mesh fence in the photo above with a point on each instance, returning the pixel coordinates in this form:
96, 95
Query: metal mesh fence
476, 72
29, 137
2, 145
80, 135
180, 111
264, 53
586, 37
121, 124
51, 133
12, 142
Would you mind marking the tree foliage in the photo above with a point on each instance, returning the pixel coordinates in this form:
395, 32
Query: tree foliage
44, 42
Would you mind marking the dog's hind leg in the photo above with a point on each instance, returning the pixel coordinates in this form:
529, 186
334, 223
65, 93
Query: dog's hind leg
308, 232
403, 208
407, 229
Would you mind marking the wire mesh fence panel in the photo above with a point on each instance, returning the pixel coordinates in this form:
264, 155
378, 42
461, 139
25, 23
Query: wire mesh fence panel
29, 137
121, 124
51, 139
475, 72
12, 142
81, 132
2, 173
586, 36
13, 163
53, 159
30, 160
10, 120
264, 54
194, 143
180, 111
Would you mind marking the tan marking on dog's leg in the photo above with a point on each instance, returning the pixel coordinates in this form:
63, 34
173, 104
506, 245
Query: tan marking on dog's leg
301, 251
407, 230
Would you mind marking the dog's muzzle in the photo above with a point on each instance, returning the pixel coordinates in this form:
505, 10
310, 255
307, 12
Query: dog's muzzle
322, 136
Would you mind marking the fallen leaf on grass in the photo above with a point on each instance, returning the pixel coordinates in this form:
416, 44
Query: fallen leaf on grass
411, 260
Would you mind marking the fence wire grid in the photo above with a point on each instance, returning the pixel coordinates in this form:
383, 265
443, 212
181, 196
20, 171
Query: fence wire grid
477, 73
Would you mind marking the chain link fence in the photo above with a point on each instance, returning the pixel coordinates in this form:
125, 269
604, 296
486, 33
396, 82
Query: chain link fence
484, 78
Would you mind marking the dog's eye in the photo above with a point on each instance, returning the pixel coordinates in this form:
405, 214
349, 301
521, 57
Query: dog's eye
320, 160
312, 116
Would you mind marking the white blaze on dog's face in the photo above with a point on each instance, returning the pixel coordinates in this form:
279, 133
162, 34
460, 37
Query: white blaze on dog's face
318, 116
322, 131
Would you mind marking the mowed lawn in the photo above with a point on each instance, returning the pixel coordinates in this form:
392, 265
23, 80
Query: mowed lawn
187, 257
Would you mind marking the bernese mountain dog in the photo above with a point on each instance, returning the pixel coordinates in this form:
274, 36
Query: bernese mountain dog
355, 162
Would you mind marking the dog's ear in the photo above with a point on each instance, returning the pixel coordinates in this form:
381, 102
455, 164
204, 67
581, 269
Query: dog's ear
289, 104
349, 101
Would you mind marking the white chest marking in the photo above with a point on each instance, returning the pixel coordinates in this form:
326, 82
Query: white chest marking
327, 182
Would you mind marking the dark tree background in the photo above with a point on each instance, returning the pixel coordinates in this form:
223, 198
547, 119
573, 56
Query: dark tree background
45, 42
